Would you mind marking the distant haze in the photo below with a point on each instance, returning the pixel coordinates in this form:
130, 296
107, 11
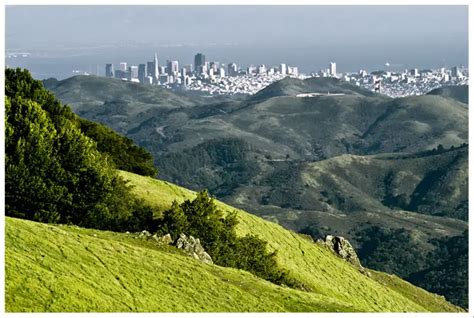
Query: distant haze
63, 38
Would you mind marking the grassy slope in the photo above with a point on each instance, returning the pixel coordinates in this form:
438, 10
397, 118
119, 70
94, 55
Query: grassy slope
61, 268
64, 268
307, 261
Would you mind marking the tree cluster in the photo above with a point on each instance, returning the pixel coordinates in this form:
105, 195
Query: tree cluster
201, 218
53, 172
444, 270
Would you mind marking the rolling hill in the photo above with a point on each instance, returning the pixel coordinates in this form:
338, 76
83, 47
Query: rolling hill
61, 170
432, 183
66, 268
459, 93
339, 163
292, 87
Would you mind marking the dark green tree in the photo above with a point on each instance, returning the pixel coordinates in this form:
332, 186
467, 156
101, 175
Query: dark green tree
53, 172
123, 152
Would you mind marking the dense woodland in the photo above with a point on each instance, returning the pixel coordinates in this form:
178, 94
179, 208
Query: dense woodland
444, 270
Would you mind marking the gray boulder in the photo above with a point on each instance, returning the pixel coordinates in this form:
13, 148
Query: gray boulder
165, 239
341, 247
144, 234
193, 248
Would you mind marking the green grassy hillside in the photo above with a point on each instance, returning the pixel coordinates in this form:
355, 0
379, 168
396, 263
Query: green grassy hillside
66, 268
307, 261
61, 268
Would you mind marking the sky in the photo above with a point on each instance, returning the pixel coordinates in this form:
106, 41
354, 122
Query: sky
311, 36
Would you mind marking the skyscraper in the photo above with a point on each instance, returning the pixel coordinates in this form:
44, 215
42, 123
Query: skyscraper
283, 69
109, 70
155, 68
133, 70
150, 68
332, 69
199, 60
142, 73
173, 67
123, 66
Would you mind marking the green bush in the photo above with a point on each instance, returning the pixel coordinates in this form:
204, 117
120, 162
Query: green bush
201, 218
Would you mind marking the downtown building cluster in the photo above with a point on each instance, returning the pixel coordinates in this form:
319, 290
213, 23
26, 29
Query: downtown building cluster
204, 76
408, 82
400, 83
214, 78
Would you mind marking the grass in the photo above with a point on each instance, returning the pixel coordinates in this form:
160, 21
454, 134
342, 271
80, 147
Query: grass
307, 262
51, 268
57, 268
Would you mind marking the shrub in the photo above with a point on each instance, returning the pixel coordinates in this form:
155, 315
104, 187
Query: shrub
201, 218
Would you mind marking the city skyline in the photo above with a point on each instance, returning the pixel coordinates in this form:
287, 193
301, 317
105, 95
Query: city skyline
307, 36
213, 77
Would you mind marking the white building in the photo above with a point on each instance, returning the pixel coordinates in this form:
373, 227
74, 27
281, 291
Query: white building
222, 72
332, 69
123, 66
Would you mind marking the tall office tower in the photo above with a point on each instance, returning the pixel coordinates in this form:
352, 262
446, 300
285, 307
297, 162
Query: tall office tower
232, 69
221, 72
133, 70
142, 73
455, 72
109, 70
156, 67
283, 69
150, 69
173, 67
123, 66
199, 60
262, 69
332, 69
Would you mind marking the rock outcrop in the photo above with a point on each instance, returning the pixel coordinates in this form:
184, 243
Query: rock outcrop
341, 247
193, 247
165, 239
190, 245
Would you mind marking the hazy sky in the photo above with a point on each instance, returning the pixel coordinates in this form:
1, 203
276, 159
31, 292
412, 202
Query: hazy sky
284, 26
401, 34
